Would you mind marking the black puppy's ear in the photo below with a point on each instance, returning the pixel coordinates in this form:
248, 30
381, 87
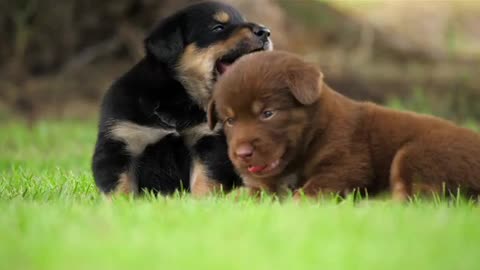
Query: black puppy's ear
211, 115
305, 83
165, 43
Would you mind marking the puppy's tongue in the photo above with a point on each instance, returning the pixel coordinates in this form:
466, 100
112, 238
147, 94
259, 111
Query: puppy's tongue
222, 67
256, 169
268, 167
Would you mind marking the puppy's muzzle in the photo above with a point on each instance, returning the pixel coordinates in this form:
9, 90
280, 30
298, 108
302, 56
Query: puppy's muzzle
260, 31
244, 151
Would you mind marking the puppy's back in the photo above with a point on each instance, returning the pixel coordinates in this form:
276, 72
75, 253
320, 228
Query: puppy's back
439, 151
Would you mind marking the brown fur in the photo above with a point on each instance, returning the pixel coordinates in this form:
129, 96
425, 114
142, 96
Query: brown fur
332, 143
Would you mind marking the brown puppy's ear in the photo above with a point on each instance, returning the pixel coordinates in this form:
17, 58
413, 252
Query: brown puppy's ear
305, 83
211, 115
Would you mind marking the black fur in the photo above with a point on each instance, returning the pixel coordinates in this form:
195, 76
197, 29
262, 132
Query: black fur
174, 172
149, 95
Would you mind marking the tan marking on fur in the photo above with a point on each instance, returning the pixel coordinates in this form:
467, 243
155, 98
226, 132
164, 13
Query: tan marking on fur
126, 185
196, 66
200, 184
192, 135
257, 107
222, 17
229, 112
195, 72
234, 40
135, 136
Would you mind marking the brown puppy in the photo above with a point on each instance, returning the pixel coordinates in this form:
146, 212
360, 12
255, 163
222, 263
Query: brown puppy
286, 128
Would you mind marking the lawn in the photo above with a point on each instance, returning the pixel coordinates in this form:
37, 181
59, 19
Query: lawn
52, 217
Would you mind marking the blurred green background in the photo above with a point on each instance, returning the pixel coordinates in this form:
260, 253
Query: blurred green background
58, 57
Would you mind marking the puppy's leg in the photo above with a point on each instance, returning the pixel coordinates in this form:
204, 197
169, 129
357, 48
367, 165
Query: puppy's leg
118, 145
164, 167
449, 170
126, 184
246, 192
334, 180
313, 191
212, 169
110, 167
401, 175
200, 184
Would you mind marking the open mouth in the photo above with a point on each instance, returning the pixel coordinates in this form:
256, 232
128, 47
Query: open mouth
221, 67
224, 62
263, 169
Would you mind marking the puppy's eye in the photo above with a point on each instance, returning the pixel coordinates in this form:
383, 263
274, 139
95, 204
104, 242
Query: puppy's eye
218, 28
267, 114
229, 122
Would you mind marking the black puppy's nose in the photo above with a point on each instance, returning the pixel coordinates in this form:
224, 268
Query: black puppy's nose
261, 31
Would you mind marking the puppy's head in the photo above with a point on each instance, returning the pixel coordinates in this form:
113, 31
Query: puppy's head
200, 42
265, 102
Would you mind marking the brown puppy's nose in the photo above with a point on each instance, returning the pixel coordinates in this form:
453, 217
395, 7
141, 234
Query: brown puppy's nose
244, 151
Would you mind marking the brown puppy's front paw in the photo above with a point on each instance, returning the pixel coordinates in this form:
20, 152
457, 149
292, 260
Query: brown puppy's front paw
298, 196
243, 193
318, 195
301, 196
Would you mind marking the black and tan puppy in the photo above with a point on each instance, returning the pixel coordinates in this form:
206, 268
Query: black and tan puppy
152, 132
286, 128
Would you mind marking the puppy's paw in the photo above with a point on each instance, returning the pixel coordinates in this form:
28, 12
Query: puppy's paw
300, 196
297, 196
245, 193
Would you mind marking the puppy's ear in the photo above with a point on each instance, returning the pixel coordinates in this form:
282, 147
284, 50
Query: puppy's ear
211, 115
305, 83
165, 43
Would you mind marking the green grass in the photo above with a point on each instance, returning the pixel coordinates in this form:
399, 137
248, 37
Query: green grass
52, 217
